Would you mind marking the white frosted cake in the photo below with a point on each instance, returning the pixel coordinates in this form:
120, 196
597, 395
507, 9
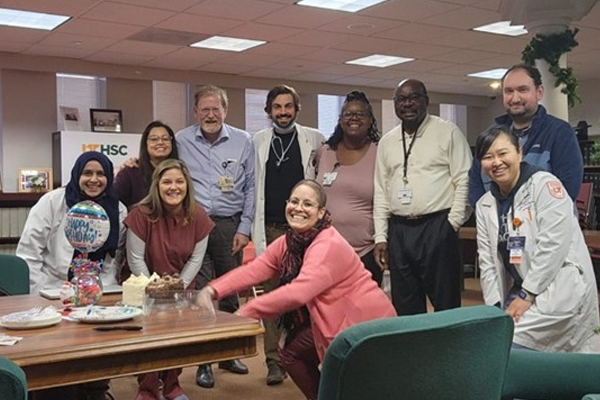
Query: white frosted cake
134, 289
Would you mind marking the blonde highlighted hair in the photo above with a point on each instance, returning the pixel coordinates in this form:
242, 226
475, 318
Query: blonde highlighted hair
152, 204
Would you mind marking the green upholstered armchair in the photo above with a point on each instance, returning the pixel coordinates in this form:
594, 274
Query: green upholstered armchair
559, 376
457, 354
13, 384
14, 275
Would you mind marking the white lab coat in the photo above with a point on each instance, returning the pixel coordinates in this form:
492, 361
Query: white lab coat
44, 246
310, 141
556, 266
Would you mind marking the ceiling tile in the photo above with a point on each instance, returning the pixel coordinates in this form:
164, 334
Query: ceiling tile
141, 48
127, 14
301, 17
198, 23
103, 29
265, 32
247, 10
464, 18
119, 58
410, 10
173, 5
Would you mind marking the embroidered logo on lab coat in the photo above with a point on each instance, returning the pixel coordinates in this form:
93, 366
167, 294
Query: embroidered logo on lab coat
556, 189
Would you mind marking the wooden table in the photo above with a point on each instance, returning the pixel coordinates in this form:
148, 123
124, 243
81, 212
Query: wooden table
72, 352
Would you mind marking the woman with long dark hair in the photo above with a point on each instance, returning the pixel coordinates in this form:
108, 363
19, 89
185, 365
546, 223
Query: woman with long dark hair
157, 144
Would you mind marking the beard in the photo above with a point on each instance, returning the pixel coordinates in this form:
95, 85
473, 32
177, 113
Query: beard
281, 128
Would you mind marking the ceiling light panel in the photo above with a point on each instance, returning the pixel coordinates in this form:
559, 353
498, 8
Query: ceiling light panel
340, 5
227, 43
31, 20
497, 73
503, 28
379, 60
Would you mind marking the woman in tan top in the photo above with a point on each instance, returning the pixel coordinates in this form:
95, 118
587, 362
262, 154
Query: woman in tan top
346, 164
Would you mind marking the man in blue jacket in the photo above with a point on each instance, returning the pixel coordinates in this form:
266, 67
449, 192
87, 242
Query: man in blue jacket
546, 141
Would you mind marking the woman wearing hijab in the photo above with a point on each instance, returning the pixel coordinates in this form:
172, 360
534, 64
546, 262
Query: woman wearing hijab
323, 286
44, 245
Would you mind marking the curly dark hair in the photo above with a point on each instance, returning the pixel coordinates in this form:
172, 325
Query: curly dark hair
338, 133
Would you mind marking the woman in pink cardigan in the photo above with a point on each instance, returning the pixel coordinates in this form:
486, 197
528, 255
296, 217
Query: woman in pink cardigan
324, 287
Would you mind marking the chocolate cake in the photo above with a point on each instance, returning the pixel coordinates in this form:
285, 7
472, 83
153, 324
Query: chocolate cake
163, 288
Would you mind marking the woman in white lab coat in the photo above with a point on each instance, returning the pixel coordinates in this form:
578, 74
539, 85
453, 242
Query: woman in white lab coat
533, 258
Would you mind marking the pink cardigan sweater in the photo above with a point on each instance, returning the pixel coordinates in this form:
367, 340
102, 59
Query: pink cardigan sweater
333, 283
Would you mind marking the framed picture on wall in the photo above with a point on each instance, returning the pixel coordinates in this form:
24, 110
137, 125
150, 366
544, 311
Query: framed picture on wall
70, 117
34, 180
106, 120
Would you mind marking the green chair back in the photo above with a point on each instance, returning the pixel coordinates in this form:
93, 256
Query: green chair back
456, 354
537, 375
14, 275
13, 384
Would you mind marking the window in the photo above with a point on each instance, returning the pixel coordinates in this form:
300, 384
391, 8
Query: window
82, 92
455, 113
170, 104
389, 120
256, 117
329, 108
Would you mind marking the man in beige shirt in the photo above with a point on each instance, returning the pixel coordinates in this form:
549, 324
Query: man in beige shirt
420, 202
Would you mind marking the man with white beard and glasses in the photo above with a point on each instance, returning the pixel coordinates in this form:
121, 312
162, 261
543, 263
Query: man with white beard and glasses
220, 159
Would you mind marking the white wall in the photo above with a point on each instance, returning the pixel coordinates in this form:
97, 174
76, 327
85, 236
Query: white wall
28, 120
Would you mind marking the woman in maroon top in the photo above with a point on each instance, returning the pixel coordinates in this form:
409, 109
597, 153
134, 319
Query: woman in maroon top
157, 144
167, 234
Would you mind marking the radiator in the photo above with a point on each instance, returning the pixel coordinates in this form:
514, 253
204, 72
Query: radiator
12, 221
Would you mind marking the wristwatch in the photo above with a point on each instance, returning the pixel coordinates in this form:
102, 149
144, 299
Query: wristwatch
525, 295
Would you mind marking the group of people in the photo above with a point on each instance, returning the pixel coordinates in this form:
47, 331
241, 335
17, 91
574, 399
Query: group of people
327, 218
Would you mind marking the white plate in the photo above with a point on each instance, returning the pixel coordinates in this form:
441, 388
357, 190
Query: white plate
33, 324
54, 294
102, 315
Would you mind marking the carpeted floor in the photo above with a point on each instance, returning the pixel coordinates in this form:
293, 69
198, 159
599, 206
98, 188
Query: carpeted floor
229, 386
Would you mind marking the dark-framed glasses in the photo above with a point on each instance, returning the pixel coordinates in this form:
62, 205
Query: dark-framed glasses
350, 114
411, 98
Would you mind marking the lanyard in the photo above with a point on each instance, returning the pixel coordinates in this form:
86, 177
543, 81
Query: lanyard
407, 153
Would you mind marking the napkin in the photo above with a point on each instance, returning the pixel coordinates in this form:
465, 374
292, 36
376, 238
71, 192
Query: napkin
6, 340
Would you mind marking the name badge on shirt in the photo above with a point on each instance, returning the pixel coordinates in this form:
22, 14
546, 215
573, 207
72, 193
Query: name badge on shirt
405, 196
516, 245
329, 178
226, 183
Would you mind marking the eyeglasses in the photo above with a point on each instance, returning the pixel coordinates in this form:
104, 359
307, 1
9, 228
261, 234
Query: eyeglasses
156, 139
207, 111
413, 98
305, 204
349, 115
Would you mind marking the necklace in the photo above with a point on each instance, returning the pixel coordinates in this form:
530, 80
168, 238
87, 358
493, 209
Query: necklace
281, 158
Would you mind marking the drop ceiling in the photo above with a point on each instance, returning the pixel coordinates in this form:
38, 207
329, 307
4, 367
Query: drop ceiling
303, 43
